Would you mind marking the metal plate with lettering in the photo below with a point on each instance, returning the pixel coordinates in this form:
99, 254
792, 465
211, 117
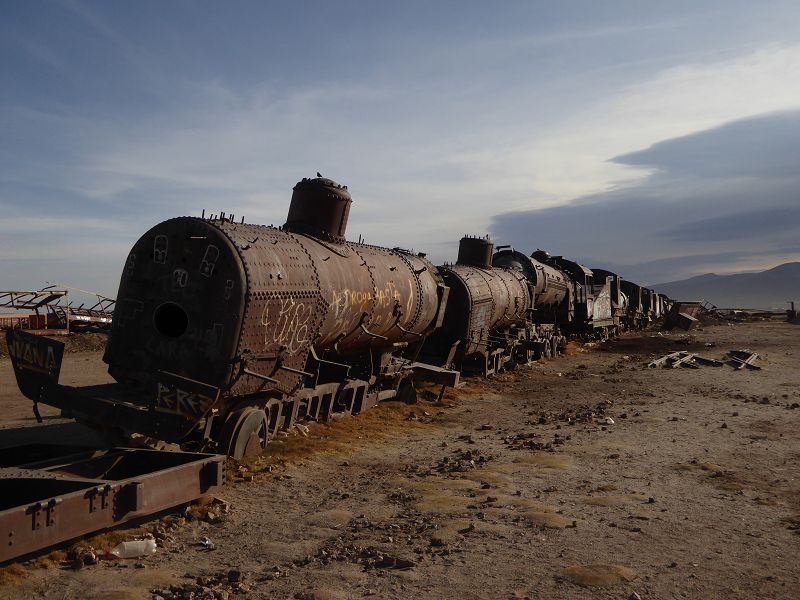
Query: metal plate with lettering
36, 360
188, 397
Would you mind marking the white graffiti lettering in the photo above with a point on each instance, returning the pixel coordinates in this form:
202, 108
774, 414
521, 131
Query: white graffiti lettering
209, 261
286, 322
160, 246
171, 399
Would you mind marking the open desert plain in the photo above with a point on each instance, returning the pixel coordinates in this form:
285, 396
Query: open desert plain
586, 476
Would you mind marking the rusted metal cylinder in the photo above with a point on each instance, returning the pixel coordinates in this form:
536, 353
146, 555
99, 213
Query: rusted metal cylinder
182, 298
319, 207
375, 295
475, 252
551, 285
239, 307
481, 301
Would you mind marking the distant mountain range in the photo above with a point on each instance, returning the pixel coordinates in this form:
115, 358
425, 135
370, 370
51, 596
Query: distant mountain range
764, 290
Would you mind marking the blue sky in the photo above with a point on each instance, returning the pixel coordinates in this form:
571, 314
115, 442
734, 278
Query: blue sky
558, 125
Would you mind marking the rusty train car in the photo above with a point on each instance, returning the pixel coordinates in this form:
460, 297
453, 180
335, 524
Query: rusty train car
226, 333
485, 326
507, 308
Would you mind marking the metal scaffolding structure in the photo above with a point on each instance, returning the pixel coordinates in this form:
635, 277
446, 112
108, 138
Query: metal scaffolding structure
49, 309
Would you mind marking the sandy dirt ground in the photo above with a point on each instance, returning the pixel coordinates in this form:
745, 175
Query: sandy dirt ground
589, 476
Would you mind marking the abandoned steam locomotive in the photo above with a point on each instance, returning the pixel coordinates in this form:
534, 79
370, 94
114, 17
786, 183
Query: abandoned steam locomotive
226, 333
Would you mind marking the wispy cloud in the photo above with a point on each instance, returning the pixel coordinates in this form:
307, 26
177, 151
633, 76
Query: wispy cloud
735, 211
41, 51
246, 143
554, 38
434, 135
570, 158
146, 66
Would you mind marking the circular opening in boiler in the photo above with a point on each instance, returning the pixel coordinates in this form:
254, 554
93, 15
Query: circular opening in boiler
170, 320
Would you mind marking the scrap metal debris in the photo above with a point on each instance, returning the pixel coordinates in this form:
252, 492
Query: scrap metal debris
50, 494
739, 359
686, 314
48, 309
684, 359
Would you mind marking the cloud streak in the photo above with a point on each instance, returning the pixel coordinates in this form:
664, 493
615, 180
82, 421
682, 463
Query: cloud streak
738, 211
435, 129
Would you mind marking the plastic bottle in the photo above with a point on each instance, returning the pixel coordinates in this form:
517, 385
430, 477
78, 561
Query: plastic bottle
134, 549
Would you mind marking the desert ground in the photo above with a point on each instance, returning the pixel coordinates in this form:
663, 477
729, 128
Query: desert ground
586, 476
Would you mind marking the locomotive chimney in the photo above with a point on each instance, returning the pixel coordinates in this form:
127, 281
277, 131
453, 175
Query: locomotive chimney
475, 252
320, 208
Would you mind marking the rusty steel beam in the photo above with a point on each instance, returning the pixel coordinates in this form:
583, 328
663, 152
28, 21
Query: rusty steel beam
30, 300
59, 314
50, 495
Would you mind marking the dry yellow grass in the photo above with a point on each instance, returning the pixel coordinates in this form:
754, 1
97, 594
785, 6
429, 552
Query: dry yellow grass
332, 519
599, 575
548, 520
725, 478
385, 421
520, 502
710, 467
490, 475
444, 503
13, 574
54, 560
546, 460
475, 386
608, 487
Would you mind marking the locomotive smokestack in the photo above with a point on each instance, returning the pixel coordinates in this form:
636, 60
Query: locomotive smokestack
475, 252
320, 208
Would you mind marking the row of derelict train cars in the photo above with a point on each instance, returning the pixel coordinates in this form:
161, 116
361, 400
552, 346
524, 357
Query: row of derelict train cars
227, 332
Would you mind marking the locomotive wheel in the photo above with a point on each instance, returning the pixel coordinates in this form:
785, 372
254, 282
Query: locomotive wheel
245, 432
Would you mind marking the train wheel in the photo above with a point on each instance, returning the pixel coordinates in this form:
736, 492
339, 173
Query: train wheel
245, 433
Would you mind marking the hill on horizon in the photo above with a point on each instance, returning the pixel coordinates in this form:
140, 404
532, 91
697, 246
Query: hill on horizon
770, 289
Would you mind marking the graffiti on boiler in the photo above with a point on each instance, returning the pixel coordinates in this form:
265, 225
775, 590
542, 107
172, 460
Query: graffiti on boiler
286, 323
